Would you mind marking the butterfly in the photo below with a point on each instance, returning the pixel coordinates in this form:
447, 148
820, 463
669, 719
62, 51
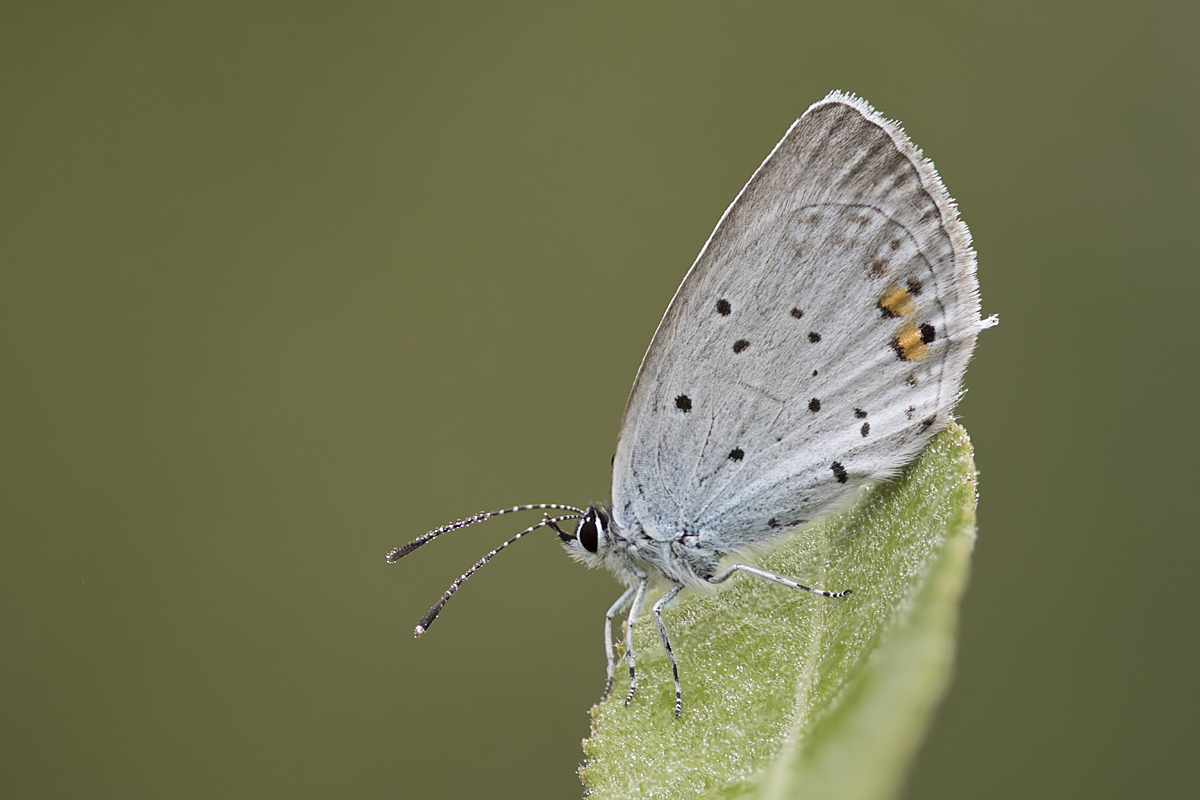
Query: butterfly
816, 345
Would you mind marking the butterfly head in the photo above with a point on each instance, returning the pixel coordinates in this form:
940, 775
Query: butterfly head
591, 539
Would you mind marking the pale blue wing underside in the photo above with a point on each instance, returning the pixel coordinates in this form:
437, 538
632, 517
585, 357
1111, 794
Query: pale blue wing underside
817, 343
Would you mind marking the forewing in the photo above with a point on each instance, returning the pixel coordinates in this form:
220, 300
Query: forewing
818, 342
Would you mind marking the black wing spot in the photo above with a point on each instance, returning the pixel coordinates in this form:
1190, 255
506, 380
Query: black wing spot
894, 244
839, 471
865, 429
814, 373
736, 454
914, 286
879, 267
927, 423
772, 523
723, 307
912, 381
910, 412
814, 405
928, 333
683, 403
797, 313
858, 412
740, 345
814, 337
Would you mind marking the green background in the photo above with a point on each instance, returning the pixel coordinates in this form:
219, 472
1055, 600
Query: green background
284, 285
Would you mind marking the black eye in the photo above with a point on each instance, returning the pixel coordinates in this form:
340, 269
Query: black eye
587, 534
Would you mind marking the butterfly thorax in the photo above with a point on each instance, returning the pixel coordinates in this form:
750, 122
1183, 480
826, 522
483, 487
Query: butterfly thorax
632, 555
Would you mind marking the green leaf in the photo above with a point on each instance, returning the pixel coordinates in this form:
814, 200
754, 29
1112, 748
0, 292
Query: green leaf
791, 695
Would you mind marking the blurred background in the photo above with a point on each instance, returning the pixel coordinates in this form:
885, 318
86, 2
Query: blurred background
285, 285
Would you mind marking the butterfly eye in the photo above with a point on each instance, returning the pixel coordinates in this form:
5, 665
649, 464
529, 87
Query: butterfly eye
588, 533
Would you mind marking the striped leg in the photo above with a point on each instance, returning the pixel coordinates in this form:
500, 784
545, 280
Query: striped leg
771, 576
613, 610
662, 631
635, 611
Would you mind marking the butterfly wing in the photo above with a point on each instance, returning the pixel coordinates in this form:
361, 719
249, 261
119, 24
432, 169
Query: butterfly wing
817, 343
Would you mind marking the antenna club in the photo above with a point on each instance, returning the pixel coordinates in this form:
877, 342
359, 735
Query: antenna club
419, 630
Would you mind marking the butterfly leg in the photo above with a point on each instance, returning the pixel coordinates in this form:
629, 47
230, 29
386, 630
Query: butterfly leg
613, 610
635, 611
771, 576
662, 631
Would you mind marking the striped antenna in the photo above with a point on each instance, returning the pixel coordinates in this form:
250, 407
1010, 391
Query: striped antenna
428, 619
400, 552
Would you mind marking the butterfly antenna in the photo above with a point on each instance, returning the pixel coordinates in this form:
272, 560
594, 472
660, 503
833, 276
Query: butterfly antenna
429, 617
400, 552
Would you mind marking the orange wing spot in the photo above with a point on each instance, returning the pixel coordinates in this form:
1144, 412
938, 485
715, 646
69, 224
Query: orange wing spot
896, 302
908, 344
